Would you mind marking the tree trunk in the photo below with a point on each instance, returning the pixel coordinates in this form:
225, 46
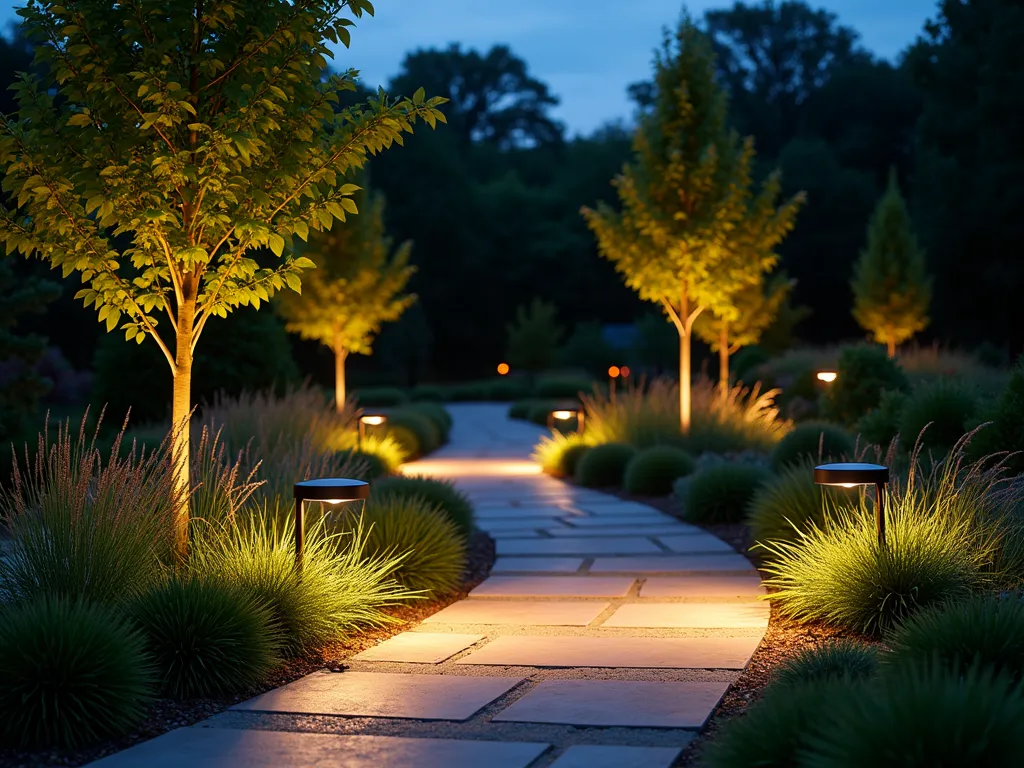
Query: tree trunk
340, 355
723, 361
684, 366
891, 348
181, 412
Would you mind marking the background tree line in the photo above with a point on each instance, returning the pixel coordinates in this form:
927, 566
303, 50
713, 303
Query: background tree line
492, 200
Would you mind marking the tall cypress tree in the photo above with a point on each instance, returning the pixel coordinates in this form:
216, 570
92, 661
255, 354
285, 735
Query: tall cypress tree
691, 232
891, 286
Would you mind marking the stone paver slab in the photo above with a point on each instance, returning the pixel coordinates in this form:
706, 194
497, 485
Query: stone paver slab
654, 518
720, 587
655, 529
419, 647
610, 505
606, 756
579, 546
608, 703
199, 747
383, 694
691, 615
537, 564
694, 543
517, 524
633, 652
728, 562
551, 613
554, 586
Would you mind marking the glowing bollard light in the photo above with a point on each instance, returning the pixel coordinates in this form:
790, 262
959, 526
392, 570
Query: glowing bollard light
827, 376
328, 490
853, 474
566, 413
367, 419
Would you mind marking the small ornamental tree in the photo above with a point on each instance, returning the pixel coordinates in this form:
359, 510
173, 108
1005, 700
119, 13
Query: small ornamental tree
173, 147
534, 337
756, 307
356, 287
691, 233
891, 286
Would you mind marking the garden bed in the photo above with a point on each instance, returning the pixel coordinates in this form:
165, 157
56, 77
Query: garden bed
166, 715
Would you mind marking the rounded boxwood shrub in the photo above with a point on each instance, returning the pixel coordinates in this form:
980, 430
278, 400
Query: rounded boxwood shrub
982, 629
604, 466
571, 458
403, 422
864, 373
943, 407
653, 471
71, 674
922, 716
436, 413
559, 454
787, 503
843, 659
440, 493
813, 441
434, 550
880, 425
774, 731
562, 388
206, 636
722, 493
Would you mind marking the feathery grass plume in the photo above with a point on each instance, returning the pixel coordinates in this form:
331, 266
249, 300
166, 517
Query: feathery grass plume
842, 659
921, 716
788, 503
72, 673
222, 486
83, 526
341, 587
946, 536
559, 454
388, 451
206, 635
432, 549
983, 629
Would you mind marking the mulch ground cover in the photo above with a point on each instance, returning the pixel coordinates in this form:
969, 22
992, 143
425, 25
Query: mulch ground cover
166, 715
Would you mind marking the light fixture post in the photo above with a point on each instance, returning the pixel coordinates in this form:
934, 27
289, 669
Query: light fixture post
327, 490
852, 474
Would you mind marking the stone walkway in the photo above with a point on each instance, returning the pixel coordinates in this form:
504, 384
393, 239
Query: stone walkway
604, 638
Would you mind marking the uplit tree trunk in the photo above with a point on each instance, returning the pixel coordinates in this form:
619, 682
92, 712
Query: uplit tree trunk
340, 356
181, 412
683, 320
723, 360
891, 347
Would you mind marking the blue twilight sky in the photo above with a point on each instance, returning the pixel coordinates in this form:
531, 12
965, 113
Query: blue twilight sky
587, 51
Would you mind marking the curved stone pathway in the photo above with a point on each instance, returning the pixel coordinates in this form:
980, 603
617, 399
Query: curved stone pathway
604, 638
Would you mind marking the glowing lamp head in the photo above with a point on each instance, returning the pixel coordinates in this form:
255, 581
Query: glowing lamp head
624, 371
851, 474
614, 372
332, 490
373, 420
503, 369
563, 415
827, 376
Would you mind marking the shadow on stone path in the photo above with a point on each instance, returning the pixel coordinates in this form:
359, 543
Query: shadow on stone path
604, 638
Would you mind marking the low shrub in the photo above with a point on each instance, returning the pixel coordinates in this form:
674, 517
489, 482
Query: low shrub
722, 493
881, 425
864, 373
380, 397
787, 503
560, 454
437, 414
747, 360
339, 589
206, 636
812, 441
839, 660
504, 390
980, 630
425, 393
604, 466
1006, 431
472, 391
774, 731
431, 548
404, 422
562, 388
374, 465
943, 407
83, 526
653, 471
71, 674
922, 716
442, 494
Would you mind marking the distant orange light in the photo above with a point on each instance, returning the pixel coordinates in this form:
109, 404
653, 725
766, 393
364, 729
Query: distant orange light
614, 372
502, 369
624, 371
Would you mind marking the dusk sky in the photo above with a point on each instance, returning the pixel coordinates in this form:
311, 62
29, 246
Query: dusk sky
587, 51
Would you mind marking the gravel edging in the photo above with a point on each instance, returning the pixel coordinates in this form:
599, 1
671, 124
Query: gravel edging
165, 715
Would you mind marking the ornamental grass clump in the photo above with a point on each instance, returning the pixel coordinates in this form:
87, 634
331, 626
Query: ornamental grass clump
341, 587
206, 635
604, 466
838, 660
431, 548
723, 492
439, 493
983, 630
787, 504
72, 673
85, 526
815, 442
921, 716
947, 535
559, 454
